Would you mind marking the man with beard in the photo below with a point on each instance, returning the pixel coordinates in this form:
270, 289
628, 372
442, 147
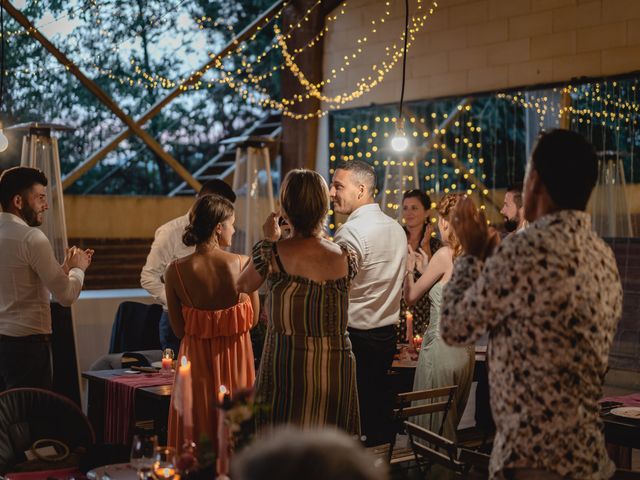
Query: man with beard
29, 272
512, 209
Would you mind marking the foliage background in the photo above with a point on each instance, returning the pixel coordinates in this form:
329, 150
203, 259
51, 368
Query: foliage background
113, 43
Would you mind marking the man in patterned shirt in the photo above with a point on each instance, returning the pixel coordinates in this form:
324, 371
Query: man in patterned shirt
550, 298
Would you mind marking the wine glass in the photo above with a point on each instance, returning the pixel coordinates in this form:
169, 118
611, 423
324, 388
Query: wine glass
164, 467
142, 457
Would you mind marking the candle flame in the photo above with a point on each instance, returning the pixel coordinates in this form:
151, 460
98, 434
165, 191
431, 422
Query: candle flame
223, 390
183, 361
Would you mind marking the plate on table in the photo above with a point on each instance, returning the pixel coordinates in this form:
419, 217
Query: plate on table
157, 364
627, 412
119, 471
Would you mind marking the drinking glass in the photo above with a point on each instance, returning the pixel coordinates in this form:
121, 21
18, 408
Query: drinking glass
164, 467
142, 457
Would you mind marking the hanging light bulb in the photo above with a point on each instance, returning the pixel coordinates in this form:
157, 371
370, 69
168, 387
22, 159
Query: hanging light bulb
400, 142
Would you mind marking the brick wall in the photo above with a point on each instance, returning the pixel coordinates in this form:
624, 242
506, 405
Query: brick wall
473, 46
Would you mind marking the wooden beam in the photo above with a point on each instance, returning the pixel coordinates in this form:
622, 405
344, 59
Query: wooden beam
99, 93
95, 157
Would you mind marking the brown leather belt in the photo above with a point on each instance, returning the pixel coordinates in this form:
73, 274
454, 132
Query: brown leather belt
41, 337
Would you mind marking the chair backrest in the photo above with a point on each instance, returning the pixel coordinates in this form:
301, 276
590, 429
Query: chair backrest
435, 400
136, 327
431, 448
30, 414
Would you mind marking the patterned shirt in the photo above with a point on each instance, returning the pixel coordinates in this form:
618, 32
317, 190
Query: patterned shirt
551, 298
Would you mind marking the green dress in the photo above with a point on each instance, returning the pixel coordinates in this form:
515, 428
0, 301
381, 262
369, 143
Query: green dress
307, 374
440, 365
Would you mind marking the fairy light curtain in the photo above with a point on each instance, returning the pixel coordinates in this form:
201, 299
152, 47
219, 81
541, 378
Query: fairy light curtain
488, 146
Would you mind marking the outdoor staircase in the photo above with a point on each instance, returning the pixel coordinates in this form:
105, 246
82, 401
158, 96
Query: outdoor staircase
223, 164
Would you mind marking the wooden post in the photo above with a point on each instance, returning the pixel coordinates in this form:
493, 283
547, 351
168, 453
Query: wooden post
95, 157
300, 137
99, 93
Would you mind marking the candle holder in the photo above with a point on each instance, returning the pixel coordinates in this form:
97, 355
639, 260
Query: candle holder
168, 357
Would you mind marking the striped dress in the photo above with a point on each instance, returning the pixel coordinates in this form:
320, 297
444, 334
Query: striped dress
307, 374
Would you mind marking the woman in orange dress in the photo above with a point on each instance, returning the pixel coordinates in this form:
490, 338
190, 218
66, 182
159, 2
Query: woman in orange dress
210, 315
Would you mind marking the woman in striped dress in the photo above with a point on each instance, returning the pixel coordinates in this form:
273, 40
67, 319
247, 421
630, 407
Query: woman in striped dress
307, 372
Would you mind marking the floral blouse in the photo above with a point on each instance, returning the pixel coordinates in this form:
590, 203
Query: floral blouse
551, 298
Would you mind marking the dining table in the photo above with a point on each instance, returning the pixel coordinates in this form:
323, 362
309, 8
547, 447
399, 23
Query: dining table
621, 428
107, 394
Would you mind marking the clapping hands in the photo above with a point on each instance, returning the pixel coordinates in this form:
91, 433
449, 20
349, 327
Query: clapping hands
77, 258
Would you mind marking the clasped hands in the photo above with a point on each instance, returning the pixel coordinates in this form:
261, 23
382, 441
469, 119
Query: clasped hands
472, 230
75, 257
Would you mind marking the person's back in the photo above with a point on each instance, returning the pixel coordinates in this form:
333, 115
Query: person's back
208, 314
560, 335
209, 279
374, 300
550, 298
307, 370
316, 259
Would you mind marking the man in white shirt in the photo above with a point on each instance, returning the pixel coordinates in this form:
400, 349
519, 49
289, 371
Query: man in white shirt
374, 298
168, 246
28, 273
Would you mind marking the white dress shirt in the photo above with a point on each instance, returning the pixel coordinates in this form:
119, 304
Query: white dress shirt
28, 272
167, 246
381, 246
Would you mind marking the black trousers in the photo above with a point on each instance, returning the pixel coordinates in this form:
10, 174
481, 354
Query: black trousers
25, 362
374, 350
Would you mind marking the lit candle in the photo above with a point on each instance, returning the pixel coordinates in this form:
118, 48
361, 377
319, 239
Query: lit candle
417, 341
165, 472
166, 363
409, 317
223, 435
184, 372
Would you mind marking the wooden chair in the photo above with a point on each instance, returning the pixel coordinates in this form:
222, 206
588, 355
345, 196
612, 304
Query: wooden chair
431, 448
403, 410
475, 463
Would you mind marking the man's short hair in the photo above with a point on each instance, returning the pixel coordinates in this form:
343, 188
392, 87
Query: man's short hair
363, 172
568, 167
16, 181
516, 190
218, 187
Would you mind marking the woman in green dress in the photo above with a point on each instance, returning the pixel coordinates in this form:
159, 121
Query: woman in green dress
307, 371
440, 365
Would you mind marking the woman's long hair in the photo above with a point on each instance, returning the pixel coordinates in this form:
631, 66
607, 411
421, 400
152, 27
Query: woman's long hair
446, 206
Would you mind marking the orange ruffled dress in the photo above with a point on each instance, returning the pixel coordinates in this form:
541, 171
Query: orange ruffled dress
218, 345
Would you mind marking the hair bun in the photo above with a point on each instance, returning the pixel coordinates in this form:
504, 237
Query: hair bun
190, 237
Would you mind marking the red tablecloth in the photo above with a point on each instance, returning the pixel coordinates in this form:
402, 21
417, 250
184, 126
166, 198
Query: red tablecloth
632, 400
60, 474
120, 403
